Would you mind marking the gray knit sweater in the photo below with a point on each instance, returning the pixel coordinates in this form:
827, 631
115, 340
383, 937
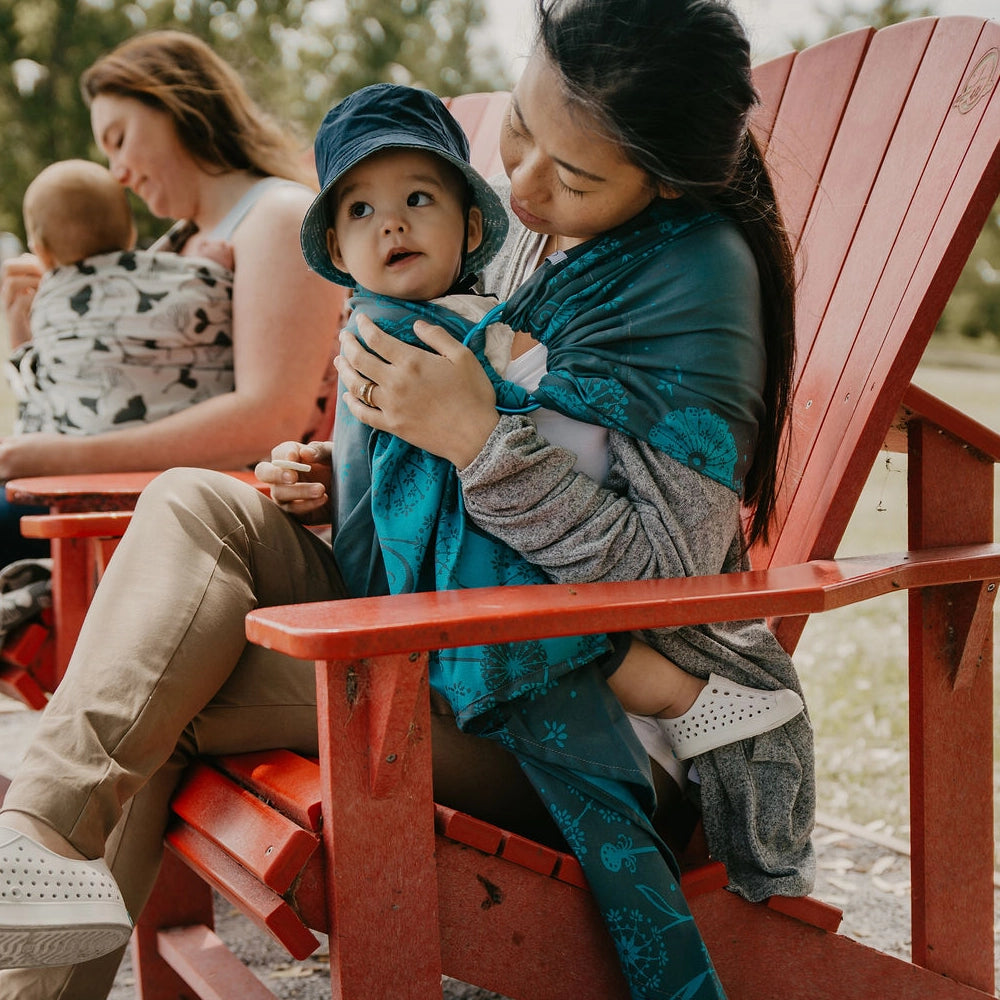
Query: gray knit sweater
656, 518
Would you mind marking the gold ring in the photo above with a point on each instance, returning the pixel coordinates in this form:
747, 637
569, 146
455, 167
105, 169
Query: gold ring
366, 392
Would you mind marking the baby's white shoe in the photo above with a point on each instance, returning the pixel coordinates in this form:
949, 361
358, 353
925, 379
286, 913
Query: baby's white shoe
727, 712
55, 910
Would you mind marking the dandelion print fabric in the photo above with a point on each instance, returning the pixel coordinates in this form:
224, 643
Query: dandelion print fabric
650, 334
124, 339
584, 761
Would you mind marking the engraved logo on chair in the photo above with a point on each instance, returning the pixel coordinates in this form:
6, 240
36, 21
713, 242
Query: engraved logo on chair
980, 82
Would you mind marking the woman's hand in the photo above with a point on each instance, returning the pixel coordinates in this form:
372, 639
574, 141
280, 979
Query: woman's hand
440, 400
304, 495
19, 278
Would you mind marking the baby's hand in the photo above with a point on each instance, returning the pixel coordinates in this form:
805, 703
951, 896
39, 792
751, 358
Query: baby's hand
218, 251
19, 278
299, 475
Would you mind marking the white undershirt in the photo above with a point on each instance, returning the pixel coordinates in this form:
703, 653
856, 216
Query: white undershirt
589, 442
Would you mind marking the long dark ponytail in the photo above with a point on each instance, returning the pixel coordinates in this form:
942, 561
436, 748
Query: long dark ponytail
670, 81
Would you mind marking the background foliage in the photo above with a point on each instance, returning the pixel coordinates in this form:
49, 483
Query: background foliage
298, 57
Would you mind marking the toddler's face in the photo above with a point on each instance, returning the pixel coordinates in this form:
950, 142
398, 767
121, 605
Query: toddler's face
398, 225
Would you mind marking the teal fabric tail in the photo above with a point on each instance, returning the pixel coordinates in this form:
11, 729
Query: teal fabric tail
577, 749
660, 949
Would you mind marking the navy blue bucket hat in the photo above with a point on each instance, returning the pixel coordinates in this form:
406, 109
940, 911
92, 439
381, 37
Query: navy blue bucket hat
388, 116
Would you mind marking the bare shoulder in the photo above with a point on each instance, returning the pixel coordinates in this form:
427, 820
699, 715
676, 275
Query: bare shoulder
280, 203
275, 219
273, 285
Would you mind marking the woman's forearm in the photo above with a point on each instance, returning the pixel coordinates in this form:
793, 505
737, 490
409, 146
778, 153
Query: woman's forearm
18, 329
226, 432
657, 519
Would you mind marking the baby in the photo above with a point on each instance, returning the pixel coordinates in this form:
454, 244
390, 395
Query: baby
118, 335
403, 215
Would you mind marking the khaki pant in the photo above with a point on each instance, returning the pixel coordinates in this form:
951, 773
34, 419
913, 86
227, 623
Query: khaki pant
162, 672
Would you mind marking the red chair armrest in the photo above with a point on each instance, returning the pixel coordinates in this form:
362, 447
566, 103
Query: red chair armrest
373, 626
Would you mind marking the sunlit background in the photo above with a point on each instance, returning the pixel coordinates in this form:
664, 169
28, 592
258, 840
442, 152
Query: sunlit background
771, 24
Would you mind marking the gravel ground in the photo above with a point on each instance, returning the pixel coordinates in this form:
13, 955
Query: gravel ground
860, 870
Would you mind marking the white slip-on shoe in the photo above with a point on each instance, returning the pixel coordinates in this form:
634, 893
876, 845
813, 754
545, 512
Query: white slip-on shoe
727, 712
54, 910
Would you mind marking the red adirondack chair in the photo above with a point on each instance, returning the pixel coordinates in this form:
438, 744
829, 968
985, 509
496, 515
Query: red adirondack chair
886, 152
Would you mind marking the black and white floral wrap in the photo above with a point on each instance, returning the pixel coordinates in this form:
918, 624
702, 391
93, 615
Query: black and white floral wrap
122, 339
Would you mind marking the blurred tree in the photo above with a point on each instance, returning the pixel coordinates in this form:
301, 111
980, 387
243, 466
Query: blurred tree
973, 310
296, 57
44, 45
850, 16
420, 42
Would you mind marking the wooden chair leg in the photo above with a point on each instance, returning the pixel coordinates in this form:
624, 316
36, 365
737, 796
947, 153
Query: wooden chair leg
71, 593
375, 777
179, 899
951, 718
